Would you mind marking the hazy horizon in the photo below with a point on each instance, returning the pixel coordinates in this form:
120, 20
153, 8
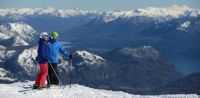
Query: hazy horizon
96, 5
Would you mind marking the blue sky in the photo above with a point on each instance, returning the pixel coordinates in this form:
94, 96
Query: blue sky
100, 5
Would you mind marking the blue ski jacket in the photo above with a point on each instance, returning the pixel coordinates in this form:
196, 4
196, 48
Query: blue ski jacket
55, 48
42, 51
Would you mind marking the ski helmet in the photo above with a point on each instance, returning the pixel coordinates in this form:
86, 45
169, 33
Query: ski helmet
54, 34
43, 34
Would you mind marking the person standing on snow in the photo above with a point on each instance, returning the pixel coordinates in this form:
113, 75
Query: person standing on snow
55, 47
42, 59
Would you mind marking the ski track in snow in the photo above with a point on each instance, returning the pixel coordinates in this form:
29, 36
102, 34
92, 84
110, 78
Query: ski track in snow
23, 90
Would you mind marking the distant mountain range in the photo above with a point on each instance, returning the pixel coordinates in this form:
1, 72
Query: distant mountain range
139, 51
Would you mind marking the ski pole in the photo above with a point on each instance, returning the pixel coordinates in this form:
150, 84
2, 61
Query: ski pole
70, 76
36, 63
55, 72
70, 71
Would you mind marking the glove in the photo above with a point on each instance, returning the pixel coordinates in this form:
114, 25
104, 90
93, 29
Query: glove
59, 61
36, 59
46, 58
70, 57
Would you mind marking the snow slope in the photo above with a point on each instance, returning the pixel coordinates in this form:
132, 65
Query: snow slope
23, 90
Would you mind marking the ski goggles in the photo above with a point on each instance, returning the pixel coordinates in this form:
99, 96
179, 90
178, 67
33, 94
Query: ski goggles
45, 36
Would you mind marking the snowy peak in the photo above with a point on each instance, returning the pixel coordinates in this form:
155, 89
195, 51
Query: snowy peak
42, 11
167, 13
20, 27
145, 52
23, 30
20, 31
90, 58
173, 12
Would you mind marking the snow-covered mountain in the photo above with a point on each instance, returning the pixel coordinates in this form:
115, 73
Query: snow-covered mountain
145, 52
105, 70
173, 12
72, 18
158, 34
167, 29
14, 41
14, 38
16, 34
90, 59
48, 19
129, 63
22, 13
26, 61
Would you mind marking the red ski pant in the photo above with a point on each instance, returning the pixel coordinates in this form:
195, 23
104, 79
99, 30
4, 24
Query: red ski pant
42, 75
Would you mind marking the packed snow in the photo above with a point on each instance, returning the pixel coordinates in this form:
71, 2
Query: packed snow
24, 90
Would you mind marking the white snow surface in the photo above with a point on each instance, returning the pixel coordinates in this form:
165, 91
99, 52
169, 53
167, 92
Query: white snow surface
23, 90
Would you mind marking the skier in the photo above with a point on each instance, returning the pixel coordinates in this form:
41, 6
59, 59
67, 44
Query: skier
42, 57
55, 47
